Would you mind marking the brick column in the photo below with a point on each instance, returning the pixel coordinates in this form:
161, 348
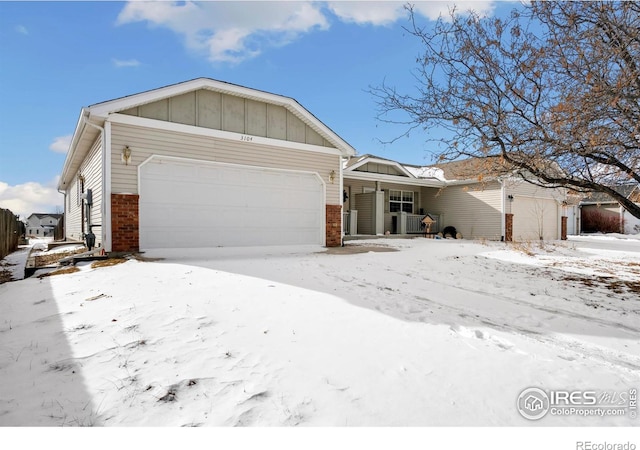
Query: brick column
563, 228
124, 223
334, 226
508, 227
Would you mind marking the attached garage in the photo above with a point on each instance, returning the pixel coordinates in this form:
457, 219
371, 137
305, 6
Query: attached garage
205, 163
533, 217
189, 203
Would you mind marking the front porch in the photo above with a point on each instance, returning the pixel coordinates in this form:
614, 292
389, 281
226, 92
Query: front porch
400, 223
381, 208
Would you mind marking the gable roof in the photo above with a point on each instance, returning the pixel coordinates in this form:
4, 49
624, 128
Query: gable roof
627, 190
357, 162
43, 215
93, 117
472, 168
468, 171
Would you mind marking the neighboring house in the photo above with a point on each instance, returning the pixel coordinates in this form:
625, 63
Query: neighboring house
599, 212
384, 196
203, 163
42, 225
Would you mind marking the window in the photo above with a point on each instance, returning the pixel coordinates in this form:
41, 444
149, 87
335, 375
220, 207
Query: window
401, 201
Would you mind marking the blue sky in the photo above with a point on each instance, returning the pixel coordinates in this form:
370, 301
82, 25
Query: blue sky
56, 57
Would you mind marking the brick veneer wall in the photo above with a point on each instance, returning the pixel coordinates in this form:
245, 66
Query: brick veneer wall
334, 226
125, 232
563, 228
508, 227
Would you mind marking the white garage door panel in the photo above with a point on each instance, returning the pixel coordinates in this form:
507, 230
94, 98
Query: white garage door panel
533, 216
203, 204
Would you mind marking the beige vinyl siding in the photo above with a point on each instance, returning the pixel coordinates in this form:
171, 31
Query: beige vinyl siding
90, 169
72, 216
474, 210
522, 188
145, 142
224, 112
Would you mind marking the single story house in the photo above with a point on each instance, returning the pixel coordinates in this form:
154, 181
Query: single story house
42, 224
203, 163
599, 212
382, 196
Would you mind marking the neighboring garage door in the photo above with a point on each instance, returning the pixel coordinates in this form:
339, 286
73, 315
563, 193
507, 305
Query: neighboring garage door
186, 203
533, 217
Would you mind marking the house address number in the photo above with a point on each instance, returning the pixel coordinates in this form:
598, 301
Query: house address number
246, 138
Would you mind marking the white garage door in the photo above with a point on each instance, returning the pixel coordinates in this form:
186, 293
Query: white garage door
204, 204
533, 217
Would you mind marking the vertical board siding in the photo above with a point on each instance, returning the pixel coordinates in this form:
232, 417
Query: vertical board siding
226, 112
183, 108
355, 187
366, 209
145, 142
233, 114
209, 112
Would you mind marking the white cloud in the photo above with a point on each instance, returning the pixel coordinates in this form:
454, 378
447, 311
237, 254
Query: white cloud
368, 12
235, 31
229, 31
434, 9
61, 144
31, 197
125, 62
22, 29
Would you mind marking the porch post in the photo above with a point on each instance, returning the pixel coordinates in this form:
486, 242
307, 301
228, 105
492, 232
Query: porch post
379, 213
508, 227
402, 222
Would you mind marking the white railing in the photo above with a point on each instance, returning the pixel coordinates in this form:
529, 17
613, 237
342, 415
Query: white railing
350, 222
346, 222
414, 224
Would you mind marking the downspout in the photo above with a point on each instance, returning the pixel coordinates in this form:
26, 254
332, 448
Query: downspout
103, 211
341, 194
503, 225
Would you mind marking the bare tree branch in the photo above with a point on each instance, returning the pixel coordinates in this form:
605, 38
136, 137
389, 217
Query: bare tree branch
553, 91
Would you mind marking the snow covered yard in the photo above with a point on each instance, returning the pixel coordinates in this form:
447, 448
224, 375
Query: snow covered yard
435, 332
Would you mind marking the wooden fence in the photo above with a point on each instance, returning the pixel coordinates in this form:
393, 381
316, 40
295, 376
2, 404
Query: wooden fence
10, 231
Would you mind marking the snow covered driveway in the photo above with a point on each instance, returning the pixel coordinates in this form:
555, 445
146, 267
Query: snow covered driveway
439, 332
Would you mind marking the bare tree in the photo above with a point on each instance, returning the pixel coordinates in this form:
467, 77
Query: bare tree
551, 92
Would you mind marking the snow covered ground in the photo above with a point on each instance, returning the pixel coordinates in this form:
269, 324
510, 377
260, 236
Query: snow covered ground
379, 333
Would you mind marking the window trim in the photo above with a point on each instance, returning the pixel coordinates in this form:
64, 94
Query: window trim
402, 202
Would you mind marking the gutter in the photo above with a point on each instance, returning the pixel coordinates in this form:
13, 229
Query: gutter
80, 126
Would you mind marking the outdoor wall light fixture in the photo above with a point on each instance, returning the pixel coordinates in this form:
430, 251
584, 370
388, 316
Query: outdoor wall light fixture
510, 197
332, 176
126, 154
